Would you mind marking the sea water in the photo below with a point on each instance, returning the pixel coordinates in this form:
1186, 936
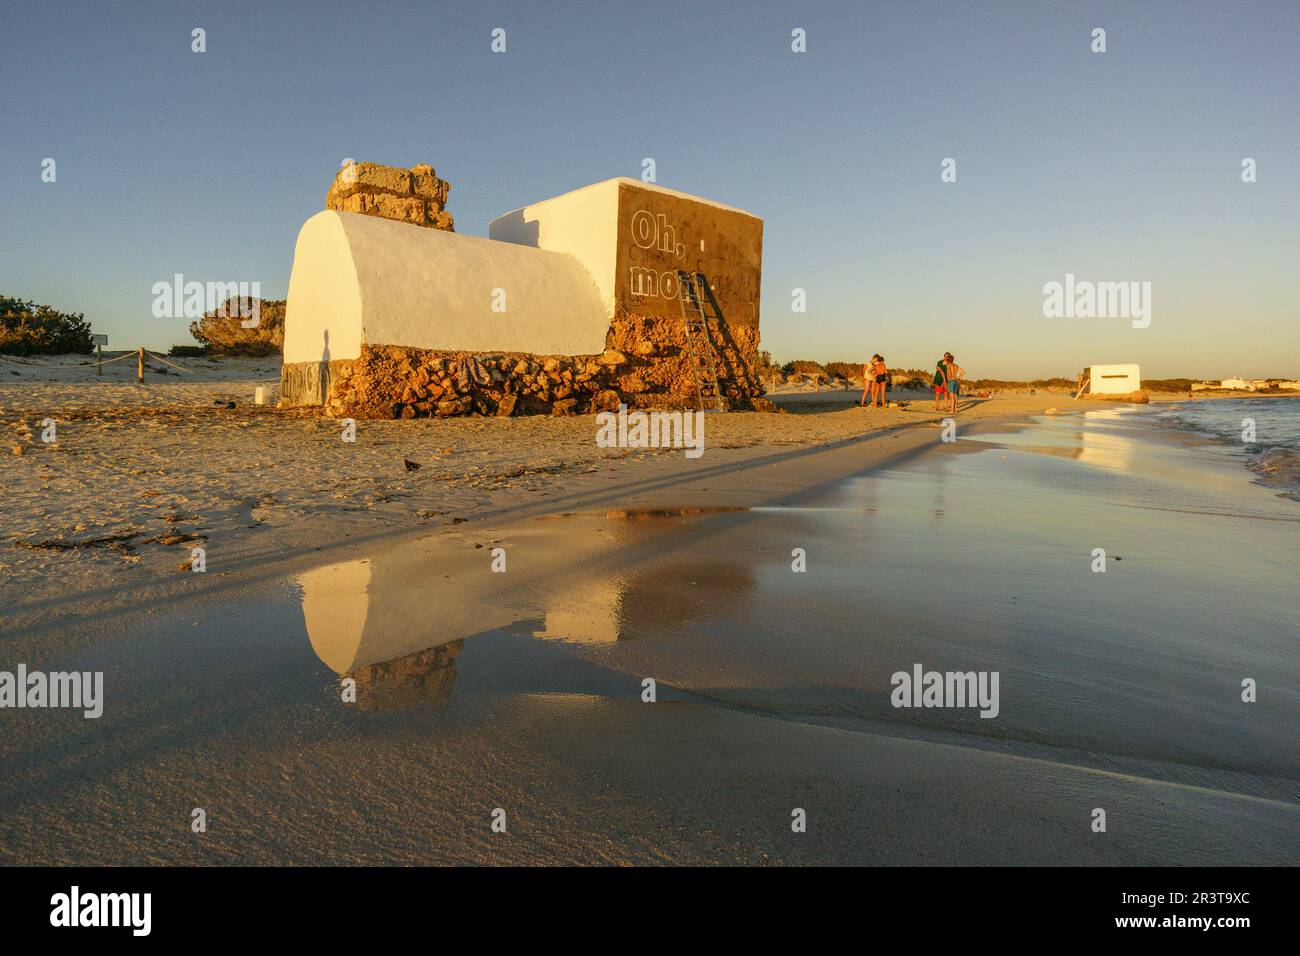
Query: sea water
1263, 433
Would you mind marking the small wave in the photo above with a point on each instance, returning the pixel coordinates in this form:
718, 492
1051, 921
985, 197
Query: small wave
1278, 468
1262, 432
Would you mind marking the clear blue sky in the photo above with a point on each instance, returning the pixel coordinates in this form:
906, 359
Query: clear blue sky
1116, 166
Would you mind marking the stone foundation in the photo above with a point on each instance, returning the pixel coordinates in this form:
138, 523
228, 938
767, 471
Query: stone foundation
644, 366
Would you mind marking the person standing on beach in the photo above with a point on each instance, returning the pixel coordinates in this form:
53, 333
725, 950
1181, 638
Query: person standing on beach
869, 381
952, 376
940, 390
882, 380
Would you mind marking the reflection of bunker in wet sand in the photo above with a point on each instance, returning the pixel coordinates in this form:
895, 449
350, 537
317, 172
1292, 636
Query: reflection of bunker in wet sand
370, 640
426, 593
383, 608
586, 613
396, 622
425, 676
649, 514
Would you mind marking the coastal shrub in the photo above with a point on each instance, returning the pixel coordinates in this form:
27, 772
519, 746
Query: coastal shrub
844, 369
187, 351
1057, 383
222, 332
30, 329
899, 377
913, 378
805, 367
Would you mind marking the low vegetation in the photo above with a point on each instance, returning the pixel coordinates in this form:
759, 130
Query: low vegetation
1168, 384
845, 370
222, 332
30, 329
805, 367
998, 383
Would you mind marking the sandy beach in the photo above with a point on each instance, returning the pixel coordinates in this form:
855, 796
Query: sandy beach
888, 458
145, 465
523, 691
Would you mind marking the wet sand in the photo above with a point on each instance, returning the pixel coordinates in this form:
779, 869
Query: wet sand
523, 690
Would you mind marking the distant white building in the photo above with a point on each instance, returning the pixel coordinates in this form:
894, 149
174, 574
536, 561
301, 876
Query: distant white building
1112, 379
1247, 385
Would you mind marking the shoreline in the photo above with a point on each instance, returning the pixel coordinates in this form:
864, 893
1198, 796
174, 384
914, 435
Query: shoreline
1200, 396
535, 705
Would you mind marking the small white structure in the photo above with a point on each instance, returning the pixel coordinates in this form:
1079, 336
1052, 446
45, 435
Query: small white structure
1112, 379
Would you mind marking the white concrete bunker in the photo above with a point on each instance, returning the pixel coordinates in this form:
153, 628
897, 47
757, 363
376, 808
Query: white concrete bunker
382, 315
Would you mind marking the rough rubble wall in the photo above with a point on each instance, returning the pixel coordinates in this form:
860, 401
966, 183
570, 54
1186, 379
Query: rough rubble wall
659, 372
644, 366
414, 195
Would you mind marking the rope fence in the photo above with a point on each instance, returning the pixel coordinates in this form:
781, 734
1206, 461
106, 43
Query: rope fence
139, 355
194, 371
9, 358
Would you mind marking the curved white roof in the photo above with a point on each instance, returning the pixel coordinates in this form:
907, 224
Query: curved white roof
362, 279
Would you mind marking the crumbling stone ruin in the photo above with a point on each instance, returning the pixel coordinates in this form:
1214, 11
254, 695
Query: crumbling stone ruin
570, 307
412, 195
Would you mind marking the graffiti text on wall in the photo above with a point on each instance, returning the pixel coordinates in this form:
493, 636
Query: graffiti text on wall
654, 232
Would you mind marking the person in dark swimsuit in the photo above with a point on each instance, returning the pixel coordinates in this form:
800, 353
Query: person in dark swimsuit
881, 380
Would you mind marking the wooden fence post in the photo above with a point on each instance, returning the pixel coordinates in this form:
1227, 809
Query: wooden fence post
139, 371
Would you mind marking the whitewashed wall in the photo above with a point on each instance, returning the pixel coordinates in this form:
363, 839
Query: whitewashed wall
582, 223
361, 279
